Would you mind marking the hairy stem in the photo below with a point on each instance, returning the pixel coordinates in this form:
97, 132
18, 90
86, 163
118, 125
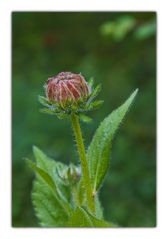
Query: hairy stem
75, 195
83, 160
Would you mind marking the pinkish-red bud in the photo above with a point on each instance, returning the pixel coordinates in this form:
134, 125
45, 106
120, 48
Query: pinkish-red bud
67, 87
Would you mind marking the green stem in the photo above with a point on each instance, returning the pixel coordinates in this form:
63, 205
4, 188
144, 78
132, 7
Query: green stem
84, 164
75, 195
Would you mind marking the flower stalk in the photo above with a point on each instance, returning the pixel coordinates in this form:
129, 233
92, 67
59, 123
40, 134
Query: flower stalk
83, 160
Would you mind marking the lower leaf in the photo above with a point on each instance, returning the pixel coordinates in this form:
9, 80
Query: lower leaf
82, 218
51, 198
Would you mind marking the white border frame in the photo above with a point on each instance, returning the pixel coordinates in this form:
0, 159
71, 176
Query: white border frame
6, 8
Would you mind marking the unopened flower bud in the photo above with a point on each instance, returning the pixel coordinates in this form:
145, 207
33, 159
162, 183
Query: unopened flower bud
67, 88
73, 173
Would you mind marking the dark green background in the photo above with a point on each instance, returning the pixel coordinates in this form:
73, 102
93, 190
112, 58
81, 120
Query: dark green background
120, 55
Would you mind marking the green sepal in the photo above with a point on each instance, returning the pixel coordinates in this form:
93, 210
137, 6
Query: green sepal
94, 93
44, 101
85, 118
95, 105
91, 82
48, 111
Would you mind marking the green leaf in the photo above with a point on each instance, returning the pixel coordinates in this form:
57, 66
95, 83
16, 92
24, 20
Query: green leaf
83, 202
91, 82
49, 111
99, 150
82, 218
95, 104
44, 101
99, 222
145, 31
47, 208
51, 198
94, 93
85, 118
43, 175
98, 207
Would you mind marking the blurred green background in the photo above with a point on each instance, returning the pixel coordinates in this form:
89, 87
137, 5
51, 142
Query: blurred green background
118, 49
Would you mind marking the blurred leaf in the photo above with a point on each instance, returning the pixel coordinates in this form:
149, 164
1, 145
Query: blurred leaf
85, 118
145, 31
95, 104
48, 111
91, 82
119, 28
108, 28
42, 100
99, 150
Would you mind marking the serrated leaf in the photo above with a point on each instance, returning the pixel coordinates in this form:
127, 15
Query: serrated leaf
51, 198
99, 150
82, 218
99, 222
47, 208
43, 175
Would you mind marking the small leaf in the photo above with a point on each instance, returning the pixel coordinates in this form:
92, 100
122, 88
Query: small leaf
91, 82
85, 118
44, 101
94, 93
48, 111
95, 104
99, 150
62, 115
145, 31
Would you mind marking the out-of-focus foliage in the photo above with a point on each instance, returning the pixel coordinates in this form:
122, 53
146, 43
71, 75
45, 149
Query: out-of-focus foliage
46, 43
123, 25
118, 29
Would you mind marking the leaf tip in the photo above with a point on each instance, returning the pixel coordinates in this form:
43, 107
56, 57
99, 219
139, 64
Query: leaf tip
34, 148
29, 163
135, 92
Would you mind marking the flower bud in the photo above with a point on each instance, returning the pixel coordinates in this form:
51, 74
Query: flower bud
70, 175
73, 173
67, 88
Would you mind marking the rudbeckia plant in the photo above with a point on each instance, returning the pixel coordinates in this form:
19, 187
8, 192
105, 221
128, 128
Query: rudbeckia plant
68, 195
